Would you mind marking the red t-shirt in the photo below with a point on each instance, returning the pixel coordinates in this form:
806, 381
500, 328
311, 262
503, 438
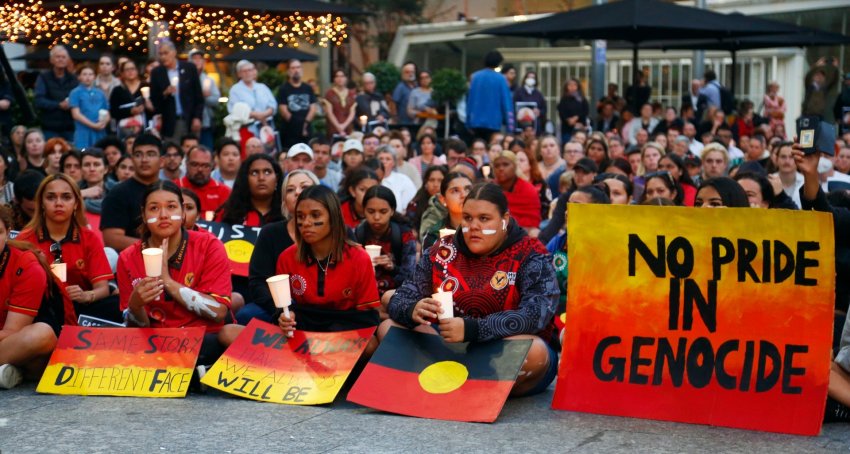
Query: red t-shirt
253, 218
524, 204
212, 195
23, 283
346, 285
200, 263
82, 251
349, 215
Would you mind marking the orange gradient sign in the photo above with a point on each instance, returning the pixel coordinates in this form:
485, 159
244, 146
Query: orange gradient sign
137, 362
709, 316
307, 369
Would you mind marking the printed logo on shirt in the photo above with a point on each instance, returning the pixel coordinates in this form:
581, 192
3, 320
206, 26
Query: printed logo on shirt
19, 272
449, 285
502, 279
81, 264
189, 279
347, 292
157, 314
446, 252
298, 284
560, 262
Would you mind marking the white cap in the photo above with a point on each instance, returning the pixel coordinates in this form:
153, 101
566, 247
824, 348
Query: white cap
298, 149
352, 144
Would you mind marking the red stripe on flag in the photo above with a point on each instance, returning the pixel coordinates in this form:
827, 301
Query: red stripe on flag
397, 391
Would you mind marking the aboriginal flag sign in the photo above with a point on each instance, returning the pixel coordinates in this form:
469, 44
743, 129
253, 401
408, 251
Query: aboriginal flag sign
418, 374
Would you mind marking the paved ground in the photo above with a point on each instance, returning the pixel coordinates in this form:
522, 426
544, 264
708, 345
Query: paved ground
32, 423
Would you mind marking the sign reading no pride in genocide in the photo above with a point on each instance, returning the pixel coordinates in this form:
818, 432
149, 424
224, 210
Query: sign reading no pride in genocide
306, 369
711, 316
139, 362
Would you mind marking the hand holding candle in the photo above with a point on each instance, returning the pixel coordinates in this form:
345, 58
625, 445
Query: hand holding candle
446, 300
374, 252
279, 288
174, 81
447, 232
146, 92
153, 261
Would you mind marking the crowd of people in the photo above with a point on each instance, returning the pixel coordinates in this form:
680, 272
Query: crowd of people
127, 159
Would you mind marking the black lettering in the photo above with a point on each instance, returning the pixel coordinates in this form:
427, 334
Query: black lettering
304, 348
765, 261
618, 365
747, 370
765, 381
782, 253
153, 346
636, 360
747, 251
655, 263
722, 253
707, 307
676, 361
261, 337
724, 379
684, 268
82, 338
62, 378
804, 262
156, 379
295, 394
700, 363
223, 381
673, 304
788, 368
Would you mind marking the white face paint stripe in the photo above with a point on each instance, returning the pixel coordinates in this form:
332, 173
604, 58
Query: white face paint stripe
488, 231
151, 220
465, 229
176, 217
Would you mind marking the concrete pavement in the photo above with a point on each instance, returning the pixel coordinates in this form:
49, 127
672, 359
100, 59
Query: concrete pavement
215, 422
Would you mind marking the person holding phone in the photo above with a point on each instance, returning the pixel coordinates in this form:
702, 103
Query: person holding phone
403, 189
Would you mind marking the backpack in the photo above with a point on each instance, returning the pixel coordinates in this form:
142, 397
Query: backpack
361, 234
727, 99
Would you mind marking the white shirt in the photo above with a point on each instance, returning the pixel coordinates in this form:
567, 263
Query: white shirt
402, 188
794, 191
696, 148
836, 176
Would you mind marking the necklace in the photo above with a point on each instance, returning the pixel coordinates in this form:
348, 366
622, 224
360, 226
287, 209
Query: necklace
327, 263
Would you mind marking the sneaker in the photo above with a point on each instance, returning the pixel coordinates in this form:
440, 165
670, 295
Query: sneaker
10, 376
200, 371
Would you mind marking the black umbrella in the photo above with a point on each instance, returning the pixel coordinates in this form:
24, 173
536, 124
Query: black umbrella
803, 37
270, 54
637, 21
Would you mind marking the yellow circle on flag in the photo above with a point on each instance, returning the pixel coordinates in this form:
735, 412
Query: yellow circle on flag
239, 251
443, 377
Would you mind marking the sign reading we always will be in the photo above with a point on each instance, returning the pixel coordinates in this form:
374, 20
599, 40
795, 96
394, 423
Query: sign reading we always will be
306, 369
719, 317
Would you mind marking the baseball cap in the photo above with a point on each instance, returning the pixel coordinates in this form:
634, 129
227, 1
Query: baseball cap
194, 52
299, 148
352, 144
587, 164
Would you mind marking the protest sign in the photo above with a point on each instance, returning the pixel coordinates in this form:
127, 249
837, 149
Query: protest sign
138, 362
306, 369
419, 374
238, 242
720, 317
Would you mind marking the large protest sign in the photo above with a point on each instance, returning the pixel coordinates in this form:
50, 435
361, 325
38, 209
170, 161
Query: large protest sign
238, 242
419, 374
139, 362
711, 316
306, 369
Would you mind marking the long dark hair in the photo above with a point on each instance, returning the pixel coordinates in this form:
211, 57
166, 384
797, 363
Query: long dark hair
684, 178
730, 191
236, 207
161, 185
671, 184
352, 178
422, 197
339, 233
384, 193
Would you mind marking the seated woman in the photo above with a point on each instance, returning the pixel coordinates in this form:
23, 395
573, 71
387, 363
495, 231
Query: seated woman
433, 177
355, 184
558, 245
191, 209
384, 227
619, 187
273, 239
764, 191
59, 230
256, 198
254, 202
194, 289
503, 283
25, 342
721, 192
332, 283
661, 185
675, 165
523, 199
93, 184
449, 213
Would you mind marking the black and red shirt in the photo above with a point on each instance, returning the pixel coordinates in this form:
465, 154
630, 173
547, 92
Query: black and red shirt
82, 251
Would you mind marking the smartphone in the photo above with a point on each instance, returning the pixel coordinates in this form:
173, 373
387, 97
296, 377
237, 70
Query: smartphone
807, 131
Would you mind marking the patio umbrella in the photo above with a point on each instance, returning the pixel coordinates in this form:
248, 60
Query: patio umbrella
270, 54
802, 37
636, 21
